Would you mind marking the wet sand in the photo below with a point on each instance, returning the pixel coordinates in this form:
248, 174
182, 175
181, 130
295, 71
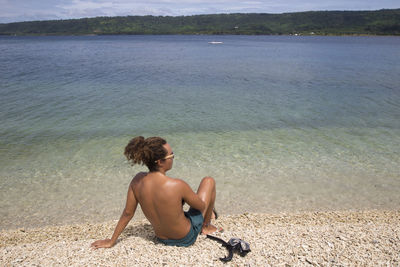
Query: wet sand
342, 238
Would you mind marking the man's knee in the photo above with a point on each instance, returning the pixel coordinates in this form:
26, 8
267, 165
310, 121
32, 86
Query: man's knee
208, 180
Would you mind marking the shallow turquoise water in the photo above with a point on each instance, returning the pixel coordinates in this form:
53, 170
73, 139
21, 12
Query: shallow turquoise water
282, 123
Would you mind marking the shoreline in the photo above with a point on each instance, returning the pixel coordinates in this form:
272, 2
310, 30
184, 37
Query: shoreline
191, 34
370, 238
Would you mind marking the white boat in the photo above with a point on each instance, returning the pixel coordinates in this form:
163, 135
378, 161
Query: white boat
215, 42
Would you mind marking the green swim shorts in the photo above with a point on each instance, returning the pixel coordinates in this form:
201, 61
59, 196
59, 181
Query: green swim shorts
196, 220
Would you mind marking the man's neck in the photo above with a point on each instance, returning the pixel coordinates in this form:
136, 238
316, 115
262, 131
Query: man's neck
163, 172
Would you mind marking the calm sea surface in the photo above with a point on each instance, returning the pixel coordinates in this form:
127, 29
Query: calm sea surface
282, 123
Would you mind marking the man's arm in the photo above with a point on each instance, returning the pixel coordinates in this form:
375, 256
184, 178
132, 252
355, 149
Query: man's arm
127, 214
191, 198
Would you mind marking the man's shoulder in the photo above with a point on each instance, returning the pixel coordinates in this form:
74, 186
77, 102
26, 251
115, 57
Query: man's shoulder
138, 177
176, 182
179, 182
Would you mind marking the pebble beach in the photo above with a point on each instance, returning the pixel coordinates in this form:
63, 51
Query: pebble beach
335, 238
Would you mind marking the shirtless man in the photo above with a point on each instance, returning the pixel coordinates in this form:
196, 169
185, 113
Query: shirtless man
161, 197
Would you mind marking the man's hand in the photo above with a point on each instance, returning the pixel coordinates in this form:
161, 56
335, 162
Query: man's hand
106, 243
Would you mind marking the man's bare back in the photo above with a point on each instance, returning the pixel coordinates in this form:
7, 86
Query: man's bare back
160, 198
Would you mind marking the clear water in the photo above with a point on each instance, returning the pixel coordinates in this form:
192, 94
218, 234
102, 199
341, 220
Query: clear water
282, 123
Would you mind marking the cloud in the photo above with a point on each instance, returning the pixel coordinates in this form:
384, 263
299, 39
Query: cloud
18, 10
22, 10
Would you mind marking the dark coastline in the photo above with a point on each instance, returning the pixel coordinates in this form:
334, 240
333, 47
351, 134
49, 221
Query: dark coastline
384, 22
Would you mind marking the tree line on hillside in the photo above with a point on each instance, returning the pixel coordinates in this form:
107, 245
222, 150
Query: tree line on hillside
381, 22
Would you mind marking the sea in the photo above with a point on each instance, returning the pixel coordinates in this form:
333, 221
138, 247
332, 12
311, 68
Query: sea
283, 123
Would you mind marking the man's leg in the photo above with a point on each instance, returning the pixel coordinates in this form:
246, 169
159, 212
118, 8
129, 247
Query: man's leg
207, 193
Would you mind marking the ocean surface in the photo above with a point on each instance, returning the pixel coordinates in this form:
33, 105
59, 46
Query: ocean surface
283, 123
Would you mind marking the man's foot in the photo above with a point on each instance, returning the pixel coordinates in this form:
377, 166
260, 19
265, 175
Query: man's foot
209, 229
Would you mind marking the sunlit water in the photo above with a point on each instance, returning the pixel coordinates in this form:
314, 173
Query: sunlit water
282, 123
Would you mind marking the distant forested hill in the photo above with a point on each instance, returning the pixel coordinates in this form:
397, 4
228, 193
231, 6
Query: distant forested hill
381, 22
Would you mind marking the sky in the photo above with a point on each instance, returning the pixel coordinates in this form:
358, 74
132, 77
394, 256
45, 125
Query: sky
27, 10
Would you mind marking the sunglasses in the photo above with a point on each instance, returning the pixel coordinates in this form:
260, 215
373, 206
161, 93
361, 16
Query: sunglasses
168, 157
